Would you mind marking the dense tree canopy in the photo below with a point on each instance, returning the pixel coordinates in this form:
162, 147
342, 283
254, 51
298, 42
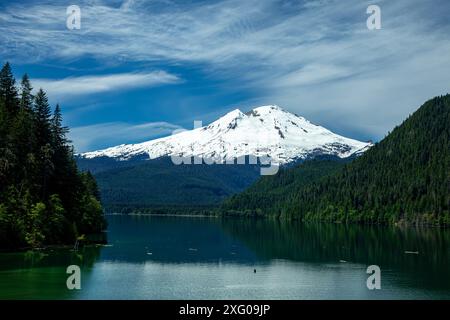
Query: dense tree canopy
404, 178
269, 195
43, 197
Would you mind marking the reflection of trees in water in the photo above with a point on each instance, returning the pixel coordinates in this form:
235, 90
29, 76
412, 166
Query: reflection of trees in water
328, 243
56, 257
42, 274
170, 239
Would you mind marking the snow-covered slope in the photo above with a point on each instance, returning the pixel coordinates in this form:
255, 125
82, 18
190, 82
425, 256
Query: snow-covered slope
264, 131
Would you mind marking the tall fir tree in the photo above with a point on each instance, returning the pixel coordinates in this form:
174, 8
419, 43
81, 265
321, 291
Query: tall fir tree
8, 91
59, 132
26, 96
65, 172
23, 132
42, 115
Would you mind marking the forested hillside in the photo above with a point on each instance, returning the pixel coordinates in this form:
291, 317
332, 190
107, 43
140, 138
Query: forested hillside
159, 186
43, 197
268, 196
404, 178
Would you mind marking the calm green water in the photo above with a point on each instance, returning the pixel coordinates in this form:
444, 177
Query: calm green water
209, 258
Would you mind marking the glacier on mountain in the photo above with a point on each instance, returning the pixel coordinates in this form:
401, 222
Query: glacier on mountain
267, 131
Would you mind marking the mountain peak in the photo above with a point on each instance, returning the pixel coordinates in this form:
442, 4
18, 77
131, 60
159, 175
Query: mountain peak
269, 108
262, 110
263, 131
230, 120
232, 115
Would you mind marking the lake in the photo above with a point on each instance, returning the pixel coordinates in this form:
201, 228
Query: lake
157, 257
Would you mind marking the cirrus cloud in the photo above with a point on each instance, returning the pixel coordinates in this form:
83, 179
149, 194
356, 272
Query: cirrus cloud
316, 58
102, 135
71, 86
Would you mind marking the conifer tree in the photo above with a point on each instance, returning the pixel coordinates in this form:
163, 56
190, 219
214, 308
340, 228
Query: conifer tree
26, 97
59, 132
42, 115
8, 91
23, 131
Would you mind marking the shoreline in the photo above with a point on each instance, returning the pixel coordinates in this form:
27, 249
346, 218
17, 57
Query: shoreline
398, 224
84, 243
165, 215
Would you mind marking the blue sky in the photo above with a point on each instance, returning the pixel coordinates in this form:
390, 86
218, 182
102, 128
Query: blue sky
137, 70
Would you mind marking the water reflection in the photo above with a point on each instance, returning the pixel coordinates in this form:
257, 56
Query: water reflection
422, 254
172, 240
152, 257
42, 274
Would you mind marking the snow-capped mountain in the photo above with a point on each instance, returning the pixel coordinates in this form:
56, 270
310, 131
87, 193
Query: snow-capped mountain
264, 131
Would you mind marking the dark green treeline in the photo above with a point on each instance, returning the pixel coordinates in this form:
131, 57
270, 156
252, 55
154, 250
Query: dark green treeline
44, 199
403, 178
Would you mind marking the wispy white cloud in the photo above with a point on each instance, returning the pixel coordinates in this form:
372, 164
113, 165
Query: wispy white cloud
310, 75
316, 58
71, 86
87, 138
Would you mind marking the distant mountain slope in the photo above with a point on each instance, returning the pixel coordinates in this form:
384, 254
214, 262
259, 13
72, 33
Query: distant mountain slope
142, 176
405, 177
269, 194
267, 130
153, 184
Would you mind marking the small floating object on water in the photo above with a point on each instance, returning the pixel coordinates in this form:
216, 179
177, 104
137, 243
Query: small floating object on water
192, 249
412, 252
254, 270
342, 261
149, 253
232, 252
